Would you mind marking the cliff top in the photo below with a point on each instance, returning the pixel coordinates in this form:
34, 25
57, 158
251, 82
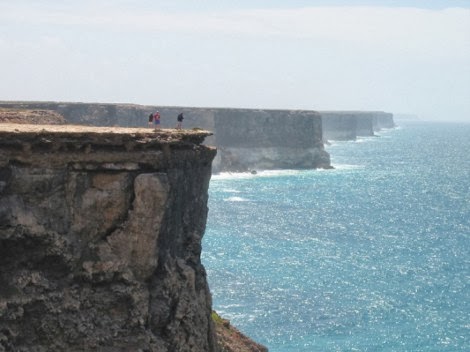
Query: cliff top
354, 112
26, 103
100, 135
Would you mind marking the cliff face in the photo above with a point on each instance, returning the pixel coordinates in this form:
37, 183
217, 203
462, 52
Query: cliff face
383, 120
100, 240
348, 125
269, 139
339, 126
246, 139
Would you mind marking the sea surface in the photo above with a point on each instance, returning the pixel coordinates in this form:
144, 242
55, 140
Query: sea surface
371, 256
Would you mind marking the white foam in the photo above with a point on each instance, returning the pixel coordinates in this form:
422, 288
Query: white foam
263, 173
273, 173
347, 166
366, 139
235, 199
229, 190
231, 176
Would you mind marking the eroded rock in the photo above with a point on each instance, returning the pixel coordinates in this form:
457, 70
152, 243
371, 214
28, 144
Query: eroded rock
100, 245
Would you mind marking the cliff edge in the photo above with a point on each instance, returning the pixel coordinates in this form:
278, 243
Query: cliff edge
100, 239
246, 139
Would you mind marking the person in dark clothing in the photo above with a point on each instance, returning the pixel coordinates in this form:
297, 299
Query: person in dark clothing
180, 121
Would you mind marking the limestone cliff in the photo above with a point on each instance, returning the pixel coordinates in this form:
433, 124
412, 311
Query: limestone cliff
246, 139
383, 120
269, 139
348, 125
100, 239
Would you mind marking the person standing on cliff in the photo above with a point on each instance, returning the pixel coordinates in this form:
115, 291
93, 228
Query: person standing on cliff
151, 120
180, 121
156, 120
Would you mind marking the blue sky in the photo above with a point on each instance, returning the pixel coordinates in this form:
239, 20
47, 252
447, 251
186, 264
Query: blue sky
397, 56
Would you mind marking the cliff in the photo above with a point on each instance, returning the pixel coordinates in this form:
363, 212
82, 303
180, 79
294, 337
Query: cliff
269, 139
348, 125
100, 239
383, 120
246, 139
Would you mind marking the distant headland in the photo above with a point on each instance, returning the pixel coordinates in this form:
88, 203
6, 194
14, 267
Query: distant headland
246, 139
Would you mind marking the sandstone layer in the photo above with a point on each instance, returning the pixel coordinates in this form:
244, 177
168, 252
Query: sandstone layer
100, 239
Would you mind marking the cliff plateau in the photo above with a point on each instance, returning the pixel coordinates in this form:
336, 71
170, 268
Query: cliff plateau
246, 139
100, 239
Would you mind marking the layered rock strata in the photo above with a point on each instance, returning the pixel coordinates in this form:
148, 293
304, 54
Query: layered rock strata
348, 125
246, 139
100, 239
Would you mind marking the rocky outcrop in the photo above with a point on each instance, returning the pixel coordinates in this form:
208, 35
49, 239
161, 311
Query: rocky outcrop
230, 339
246, 139
348, 125
27, 116
100, 239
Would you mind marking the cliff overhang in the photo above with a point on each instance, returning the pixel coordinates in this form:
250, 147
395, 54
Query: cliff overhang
100, 239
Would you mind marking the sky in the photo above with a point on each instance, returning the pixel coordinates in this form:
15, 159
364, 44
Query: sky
408, 57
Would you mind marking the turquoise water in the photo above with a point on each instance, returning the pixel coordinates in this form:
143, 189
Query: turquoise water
371, 256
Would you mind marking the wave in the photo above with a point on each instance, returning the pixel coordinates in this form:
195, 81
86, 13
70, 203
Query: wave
235, 199
263, 173
338, 143
287, 172
231, 175
366, 139
230, 190
346, 166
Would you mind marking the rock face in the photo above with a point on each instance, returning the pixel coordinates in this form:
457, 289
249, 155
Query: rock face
269, 139
339, 126
348, 125
383, 120
100, 240
246, 139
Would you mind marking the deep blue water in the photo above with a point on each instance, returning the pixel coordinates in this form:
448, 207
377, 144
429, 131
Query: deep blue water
371, 256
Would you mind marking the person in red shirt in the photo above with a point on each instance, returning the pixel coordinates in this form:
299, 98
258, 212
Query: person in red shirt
156, 120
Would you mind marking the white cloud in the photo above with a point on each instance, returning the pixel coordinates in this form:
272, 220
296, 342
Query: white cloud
398, 59
405, 29
369, 24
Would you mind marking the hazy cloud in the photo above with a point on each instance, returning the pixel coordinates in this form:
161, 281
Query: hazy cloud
344, 57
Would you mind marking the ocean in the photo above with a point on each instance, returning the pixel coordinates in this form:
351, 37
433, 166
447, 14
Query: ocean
370, 256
